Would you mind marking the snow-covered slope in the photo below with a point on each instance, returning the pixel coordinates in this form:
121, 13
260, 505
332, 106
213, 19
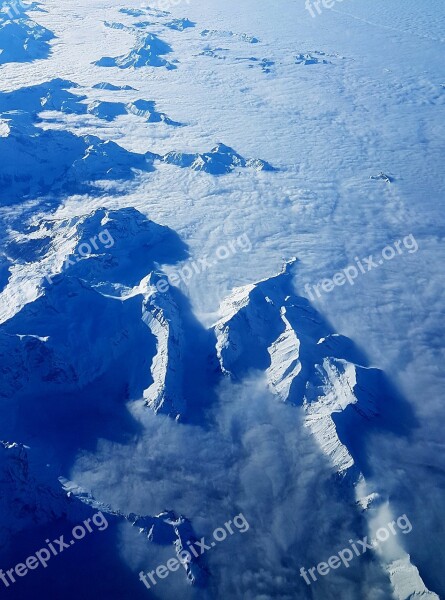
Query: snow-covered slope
142, 141
266, 326
21, 38
312, 367
32, 496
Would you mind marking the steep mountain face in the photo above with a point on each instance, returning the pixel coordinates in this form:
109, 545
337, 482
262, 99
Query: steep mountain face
98, 317
218, 161
102, 289
50, 95
105, 264
147, 109
56, 343
67, 163
266, 327
105, 371
31, 496
162, 317
149, 51
168, 528
55, 95
71, 163
99, 248
26, 496
407, 582
21, 38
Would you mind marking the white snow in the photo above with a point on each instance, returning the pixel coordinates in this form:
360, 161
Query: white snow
178, 131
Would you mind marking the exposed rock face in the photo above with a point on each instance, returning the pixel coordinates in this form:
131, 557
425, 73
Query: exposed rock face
161, 315
266, 327
220, 160
149, 51
116, 297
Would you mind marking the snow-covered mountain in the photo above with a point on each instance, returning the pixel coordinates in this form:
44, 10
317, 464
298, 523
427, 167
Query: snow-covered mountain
158, 371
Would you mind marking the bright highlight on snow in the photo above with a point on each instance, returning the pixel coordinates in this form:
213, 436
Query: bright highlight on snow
183, 187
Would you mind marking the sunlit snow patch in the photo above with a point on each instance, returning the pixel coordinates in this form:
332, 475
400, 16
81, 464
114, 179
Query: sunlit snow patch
148, 52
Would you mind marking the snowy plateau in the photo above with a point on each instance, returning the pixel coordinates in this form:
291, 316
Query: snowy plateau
221, 299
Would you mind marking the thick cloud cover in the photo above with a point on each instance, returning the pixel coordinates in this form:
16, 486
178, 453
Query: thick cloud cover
257, 459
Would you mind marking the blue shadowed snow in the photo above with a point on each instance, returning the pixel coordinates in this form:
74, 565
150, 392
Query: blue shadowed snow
148, 52
68, 163
50, 95
220, 160
119, 393
21, 38
111, 87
